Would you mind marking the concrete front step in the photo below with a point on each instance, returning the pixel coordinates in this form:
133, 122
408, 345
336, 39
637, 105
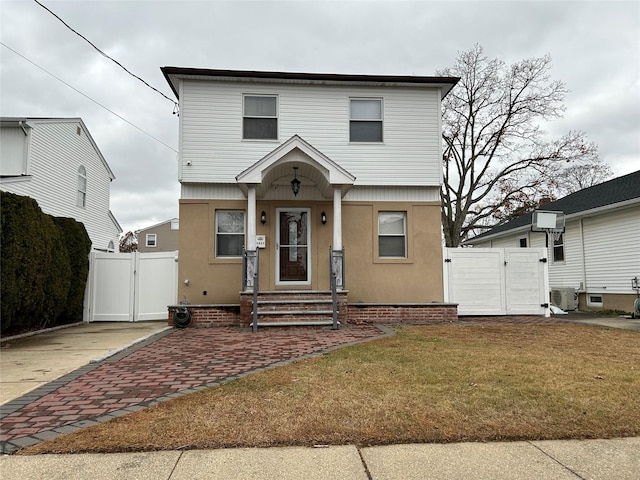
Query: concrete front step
293, 301
294, 312
298, 323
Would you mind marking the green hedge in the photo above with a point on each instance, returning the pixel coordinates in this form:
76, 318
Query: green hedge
44, 265
78, 245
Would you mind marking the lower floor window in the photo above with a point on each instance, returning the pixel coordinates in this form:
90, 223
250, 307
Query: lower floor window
558, 249
392, 234
230, 228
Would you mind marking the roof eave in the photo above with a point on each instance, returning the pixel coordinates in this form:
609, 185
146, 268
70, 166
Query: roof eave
444, 83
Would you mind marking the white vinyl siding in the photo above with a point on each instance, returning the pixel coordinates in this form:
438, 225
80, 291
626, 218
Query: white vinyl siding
13, 151
211, 125
612, 249
56, 152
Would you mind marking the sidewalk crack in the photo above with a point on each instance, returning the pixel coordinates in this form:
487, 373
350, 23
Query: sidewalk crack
557, 461
364, 463
175, 466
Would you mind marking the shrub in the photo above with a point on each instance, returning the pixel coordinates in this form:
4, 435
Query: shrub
43, 266
78, 246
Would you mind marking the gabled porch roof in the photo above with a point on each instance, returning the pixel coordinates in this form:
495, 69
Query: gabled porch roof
313, 167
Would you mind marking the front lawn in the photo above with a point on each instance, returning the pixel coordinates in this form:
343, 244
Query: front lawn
425, 384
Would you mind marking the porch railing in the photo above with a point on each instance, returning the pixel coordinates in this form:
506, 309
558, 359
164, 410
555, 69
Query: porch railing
336, 276
250, 280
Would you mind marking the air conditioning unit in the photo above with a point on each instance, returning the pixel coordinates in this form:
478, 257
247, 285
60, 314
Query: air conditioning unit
564, 298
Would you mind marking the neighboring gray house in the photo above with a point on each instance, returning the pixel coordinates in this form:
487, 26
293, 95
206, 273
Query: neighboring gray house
599, 253
162, 237
56, 162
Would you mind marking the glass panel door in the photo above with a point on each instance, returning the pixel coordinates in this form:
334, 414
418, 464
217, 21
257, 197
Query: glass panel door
293, 246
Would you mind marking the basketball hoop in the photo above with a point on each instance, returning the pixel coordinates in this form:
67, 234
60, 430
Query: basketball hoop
556, 233
549, 222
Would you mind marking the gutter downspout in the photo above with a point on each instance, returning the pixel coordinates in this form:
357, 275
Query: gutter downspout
584, 262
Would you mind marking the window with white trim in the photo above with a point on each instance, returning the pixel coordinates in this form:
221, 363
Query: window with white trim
558, 249
594, 300
392, 234
230, 228
523, 242
152, 240
365, 120
81, 199
260, 117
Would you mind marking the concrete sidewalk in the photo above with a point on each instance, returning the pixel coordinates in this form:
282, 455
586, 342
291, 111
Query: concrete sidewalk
617, 459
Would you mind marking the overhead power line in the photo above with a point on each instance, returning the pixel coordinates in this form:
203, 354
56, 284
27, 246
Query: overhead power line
175, 104
88, 97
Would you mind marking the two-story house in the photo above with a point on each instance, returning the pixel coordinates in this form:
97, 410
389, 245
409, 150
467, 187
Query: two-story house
294, 164
56, 162
161, 237
597, 256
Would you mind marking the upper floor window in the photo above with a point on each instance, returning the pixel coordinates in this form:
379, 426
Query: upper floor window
558, 249
523, 242
365, 120
229, 233
81, 199
260, 117
392, 234
152, 240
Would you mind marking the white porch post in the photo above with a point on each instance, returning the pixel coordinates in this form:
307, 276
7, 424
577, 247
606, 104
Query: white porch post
337, 219
251, 221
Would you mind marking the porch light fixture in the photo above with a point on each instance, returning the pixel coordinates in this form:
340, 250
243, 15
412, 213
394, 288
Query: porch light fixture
295, 183
323, 218
263, 217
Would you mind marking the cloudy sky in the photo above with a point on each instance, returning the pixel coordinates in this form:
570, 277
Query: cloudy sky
595, 47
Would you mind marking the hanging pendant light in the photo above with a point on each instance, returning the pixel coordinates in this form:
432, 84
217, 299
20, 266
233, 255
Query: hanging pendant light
295, 183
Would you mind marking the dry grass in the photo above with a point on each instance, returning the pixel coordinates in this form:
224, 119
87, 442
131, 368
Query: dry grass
426, 384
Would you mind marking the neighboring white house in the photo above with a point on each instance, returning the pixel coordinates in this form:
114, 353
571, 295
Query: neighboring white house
296, 163
599, 253
56, 162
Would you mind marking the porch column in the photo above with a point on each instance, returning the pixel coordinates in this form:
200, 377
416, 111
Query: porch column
337, 218
251, 220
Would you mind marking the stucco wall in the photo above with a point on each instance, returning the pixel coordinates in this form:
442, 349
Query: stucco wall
369, 279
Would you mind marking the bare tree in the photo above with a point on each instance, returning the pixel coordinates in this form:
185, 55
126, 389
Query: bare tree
496, 160
129, 243
576, 177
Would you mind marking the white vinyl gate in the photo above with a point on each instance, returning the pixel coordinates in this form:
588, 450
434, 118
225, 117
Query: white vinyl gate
130, 287
497, 281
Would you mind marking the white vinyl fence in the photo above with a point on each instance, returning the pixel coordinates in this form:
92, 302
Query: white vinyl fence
130, 287
497, 281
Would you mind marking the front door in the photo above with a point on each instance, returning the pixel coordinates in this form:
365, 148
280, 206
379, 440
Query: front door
293, 246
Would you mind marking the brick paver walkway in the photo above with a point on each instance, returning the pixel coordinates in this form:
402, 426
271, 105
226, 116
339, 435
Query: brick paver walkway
181, 362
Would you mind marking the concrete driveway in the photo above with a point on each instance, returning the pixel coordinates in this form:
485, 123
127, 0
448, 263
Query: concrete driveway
590, 318
29, 362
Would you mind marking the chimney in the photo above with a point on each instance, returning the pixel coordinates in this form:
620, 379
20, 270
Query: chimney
544, 201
